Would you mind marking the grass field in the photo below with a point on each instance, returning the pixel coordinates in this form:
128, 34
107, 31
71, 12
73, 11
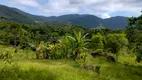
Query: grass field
31, 69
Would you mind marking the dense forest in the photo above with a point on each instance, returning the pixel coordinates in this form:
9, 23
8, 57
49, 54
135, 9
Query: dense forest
80, 45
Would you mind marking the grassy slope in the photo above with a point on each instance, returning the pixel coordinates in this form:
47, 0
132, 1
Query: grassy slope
69, 70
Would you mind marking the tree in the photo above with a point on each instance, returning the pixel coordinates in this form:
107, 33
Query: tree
96, 42
3, 18
115, 41
13, 33
134, 34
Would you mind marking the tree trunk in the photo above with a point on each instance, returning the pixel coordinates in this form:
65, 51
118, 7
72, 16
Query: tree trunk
77, 53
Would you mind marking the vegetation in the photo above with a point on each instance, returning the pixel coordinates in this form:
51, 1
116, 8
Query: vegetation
33, 52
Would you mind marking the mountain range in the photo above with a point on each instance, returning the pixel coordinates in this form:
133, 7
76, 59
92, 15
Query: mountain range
86, 20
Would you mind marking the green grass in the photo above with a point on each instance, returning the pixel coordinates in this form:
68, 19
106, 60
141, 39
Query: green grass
31, 69
21, 72
65, 70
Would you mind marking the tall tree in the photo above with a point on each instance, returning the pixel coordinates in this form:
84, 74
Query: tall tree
134, 32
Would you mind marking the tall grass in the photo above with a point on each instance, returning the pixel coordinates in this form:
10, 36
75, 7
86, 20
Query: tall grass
28, 68
15, 72
65, 70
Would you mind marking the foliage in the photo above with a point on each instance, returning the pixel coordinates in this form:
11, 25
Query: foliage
65, 45
115, 41
96, 42
69, 46
134, 35
84, 56
77, 44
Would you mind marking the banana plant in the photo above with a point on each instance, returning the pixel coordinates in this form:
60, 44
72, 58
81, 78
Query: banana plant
77, 44
64, 44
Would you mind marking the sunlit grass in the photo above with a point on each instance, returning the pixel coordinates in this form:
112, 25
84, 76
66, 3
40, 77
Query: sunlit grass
31, 69
64, 70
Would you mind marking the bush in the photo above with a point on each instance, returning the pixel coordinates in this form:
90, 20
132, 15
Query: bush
138, 58
99, 51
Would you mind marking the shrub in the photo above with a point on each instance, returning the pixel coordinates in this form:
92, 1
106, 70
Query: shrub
138, 58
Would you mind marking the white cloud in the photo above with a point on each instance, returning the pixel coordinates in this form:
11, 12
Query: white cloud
31, 3
56, 7
101, 8
105, 15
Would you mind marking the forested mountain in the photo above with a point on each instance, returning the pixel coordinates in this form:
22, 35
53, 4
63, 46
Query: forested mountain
86, 20
18, 15
116, 22
92, 21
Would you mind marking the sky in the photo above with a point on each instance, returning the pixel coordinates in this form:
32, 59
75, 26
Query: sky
100, 8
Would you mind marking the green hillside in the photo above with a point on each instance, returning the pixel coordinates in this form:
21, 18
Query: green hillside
86, 20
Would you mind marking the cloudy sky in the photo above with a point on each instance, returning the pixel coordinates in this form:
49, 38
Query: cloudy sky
100, 8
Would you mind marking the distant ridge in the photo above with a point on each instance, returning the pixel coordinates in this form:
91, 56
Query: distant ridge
87, 20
